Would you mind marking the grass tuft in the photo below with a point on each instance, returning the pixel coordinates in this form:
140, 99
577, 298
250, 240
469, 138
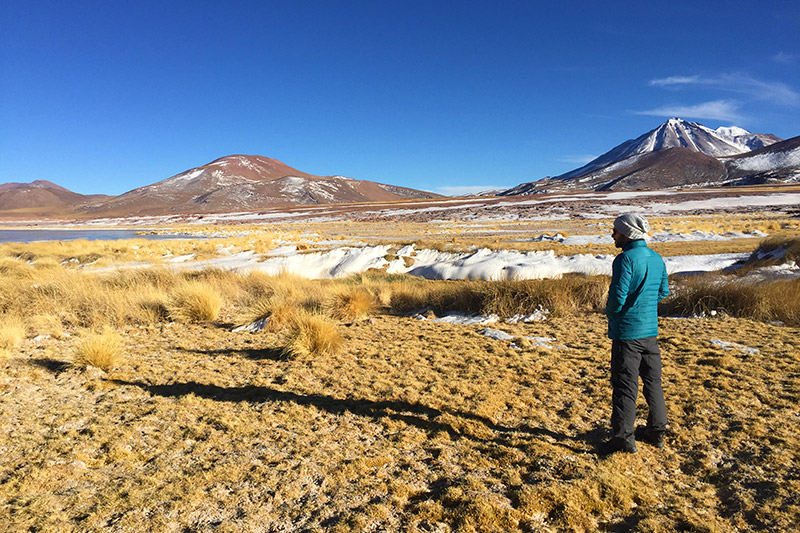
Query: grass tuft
12, 332
789, 245
280, 312
353, 304
101, 350
195, 301
312, 335
708, 294
46, 324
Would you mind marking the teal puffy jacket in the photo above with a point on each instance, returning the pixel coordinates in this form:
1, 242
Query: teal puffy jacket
638, 283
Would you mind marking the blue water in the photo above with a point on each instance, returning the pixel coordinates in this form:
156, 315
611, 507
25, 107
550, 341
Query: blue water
32, 235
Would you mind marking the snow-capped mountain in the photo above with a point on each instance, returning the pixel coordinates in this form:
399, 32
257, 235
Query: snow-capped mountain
779, 162
676, 153
246, 182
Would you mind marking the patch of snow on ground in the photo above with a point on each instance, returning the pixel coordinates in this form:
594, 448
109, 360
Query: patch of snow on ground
541, 342
773, 200
725, 345
292, 185
697, 235
537, 316
181, 258
461, 318
320, 189
253, 327
500, 265
496, 334
685, 264
189, 176
481, 264
430, 264
788, 270
336, 263
777, 253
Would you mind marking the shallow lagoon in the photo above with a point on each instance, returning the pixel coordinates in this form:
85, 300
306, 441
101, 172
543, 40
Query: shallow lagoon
34, 235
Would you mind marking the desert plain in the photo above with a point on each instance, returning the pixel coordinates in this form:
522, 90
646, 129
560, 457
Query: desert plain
445, 368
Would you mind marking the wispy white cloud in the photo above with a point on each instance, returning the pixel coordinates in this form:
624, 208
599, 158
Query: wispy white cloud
784, 58
727, 110
469, 189
675, 80
577, 159
740, 83
772, 91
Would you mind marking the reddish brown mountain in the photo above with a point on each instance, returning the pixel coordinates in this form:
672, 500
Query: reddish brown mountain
245, 183
40, 197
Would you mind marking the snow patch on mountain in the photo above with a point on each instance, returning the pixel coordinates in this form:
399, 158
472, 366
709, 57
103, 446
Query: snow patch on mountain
292, 185
767, 161
188, 176
677, 133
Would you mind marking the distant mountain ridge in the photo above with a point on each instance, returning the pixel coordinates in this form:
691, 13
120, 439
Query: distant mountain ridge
678, 153
40, 197
243, 183
228, 184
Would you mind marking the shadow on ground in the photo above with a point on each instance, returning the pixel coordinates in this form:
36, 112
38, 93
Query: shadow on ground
414, 414
53, 365
271, 354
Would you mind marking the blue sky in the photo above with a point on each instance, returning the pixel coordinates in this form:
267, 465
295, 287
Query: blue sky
104, 97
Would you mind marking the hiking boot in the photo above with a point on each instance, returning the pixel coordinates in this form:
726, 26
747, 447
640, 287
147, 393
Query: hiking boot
654, 438
616, 445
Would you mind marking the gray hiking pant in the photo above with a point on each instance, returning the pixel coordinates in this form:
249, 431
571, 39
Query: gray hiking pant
629, 360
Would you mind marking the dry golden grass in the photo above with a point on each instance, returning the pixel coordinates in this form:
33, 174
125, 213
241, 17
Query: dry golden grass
45, 324
352, 304
790, 244
562, 297
150, 305
279, 311
400, 424
311, 335
195, 301
12, 332
769, 300
412, 426
101, 350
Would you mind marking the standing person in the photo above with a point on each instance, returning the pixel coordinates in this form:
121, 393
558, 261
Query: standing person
638, 283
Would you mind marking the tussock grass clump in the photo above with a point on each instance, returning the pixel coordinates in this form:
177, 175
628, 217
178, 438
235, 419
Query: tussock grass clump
101, 350
12, 332
279, 312
312, 335
790, 245
151, 306
46, 324
570, 294
14, 268
195, 301
156, 278
563, 297
81, 299
353, 304
702, 295
440, 296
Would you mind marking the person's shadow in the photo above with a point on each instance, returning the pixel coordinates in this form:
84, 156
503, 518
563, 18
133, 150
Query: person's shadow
414, 414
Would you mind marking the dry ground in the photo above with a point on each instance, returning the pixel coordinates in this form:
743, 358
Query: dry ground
415, 425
